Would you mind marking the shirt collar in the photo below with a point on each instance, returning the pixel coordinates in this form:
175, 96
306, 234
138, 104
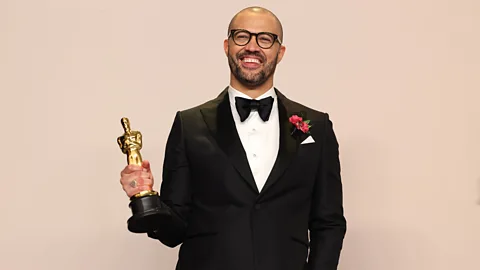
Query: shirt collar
232, 92
235, 93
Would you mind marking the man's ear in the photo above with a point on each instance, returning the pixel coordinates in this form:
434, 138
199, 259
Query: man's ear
281, 52
225, 46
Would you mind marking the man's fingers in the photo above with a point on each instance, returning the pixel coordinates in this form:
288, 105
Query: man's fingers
143, 181
142, 188
146, 165
136, 188
130, 169
132, 191
128, 178
140, 174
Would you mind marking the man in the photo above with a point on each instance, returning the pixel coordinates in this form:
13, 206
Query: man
250, 180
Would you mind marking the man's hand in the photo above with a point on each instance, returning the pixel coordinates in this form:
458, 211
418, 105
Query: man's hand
135, 179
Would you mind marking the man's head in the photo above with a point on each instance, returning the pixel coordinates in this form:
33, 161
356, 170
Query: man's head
253, 58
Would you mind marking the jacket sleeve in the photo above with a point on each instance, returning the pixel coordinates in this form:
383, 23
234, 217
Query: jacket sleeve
175, 188
327, 223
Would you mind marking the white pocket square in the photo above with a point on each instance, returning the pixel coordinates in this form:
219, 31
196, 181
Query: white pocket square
308, 140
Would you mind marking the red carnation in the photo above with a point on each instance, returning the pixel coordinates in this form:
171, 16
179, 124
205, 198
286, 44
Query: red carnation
299, 124
295, 119
304, 127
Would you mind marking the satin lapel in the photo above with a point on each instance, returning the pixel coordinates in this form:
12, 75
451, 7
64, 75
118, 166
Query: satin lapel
220, 121
288, 143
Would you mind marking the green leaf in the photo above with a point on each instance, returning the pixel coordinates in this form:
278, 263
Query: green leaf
307, 121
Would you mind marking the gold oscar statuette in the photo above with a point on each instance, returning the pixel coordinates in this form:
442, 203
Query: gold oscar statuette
147, 210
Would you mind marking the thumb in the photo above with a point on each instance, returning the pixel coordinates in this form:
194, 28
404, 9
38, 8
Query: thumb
146, 165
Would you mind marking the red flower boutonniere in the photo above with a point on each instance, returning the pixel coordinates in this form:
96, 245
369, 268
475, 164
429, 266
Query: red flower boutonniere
300, 124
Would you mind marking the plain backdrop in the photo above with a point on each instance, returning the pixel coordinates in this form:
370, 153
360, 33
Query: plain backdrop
400, 80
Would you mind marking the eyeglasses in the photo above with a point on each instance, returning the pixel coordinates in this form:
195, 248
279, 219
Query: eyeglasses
265, 40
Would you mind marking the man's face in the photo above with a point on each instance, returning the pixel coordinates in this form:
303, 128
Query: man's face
251, 64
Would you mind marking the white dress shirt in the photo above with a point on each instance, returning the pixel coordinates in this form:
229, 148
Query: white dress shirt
259, 139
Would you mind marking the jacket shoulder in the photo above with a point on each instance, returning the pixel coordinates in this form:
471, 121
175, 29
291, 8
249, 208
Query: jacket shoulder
194, 112
307, 111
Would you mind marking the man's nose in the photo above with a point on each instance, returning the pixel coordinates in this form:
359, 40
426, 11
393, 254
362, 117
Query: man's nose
252, 45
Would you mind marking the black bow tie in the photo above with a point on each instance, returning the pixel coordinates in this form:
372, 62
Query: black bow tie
263, 106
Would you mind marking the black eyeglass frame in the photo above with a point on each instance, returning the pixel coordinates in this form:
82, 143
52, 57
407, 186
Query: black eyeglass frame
275, 37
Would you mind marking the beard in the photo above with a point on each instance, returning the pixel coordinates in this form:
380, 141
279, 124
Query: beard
251, 79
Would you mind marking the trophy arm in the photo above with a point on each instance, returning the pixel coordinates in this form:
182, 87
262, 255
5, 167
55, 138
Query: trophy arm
120, 142
139, 139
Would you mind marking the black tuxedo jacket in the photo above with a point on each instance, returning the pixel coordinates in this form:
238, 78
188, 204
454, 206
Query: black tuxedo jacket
224, 222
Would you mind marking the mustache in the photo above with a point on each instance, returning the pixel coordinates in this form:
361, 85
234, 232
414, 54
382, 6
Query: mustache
255, 54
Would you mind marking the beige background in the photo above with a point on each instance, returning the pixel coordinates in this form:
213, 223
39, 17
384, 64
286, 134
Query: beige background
400, 80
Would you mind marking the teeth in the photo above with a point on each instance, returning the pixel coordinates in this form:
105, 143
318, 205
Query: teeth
251, 60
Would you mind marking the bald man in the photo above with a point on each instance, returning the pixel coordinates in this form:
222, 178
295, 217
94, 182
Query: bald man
252, 176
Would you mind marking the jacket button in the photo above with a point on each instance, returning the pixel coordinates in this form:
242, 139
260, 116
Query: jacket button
257, 206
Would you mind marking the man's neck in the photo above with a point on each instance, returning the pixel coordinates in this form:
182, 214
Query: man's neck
252, 92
